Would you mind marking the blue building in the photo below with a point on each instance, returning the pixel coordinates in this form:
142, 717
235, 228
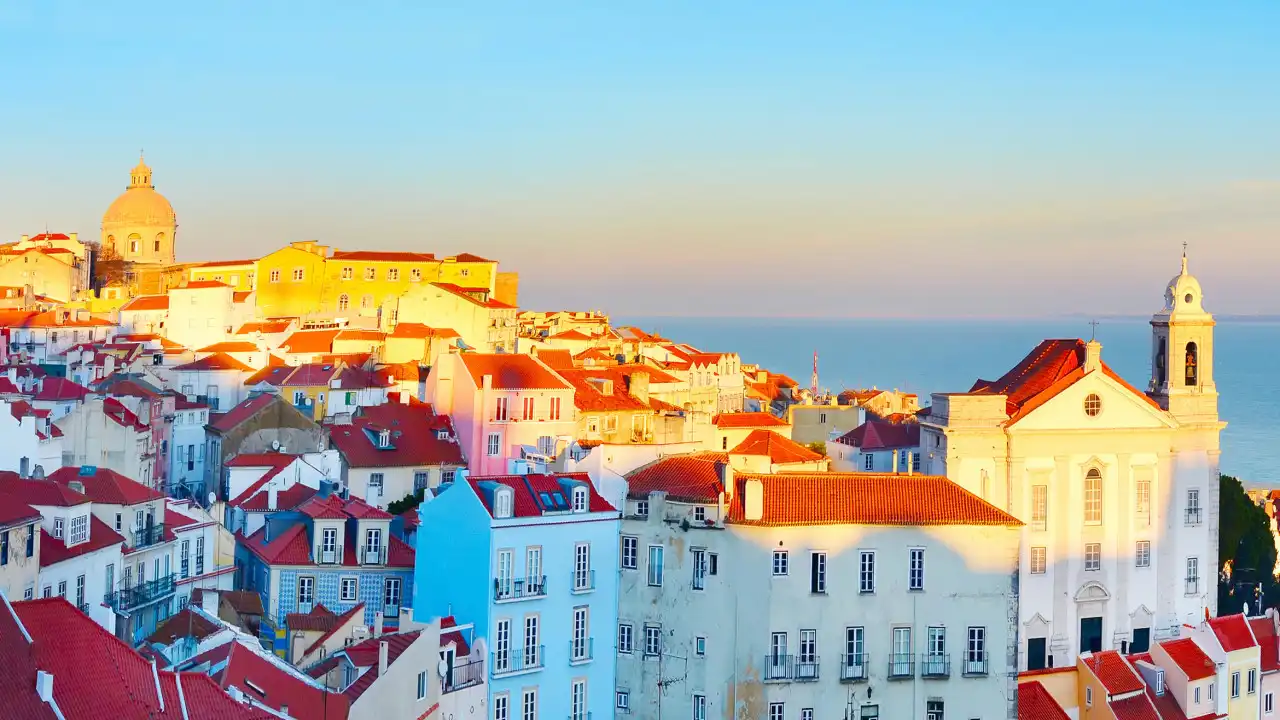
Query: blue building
534, 559
332, 551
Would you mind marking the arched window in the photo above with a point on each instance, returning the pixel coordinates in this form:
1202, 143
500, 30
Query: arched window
343, 301
1093, 496
1161, 363
1193, 365
135, 241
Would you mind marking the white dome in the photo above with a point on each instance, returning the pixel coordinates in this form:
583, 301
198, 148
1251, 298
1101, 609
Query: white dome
1183, 295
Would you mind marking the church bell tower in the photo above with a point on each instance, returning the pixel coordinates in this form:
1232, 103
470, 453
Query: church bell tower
1182, 353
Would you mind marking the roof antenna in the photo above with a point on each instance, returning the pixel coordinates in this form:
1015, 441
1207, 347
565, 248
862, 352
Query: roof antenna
1094, 325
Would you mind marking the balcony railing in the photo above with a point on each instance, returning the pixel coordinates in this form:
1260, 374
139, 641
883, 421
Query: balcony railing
1038, 525
853, 667
800, 668
581, 650
519, 588
373, 555
901, 665
583, 581
148, 536
141, 594
330, 556
511, 662
462, 676
1193, 516
975, 664
1193, 586
935, 665
83, 607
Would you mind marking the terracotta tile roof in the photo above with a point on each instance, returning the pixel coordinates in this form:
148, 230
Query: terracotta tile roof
1265, 633
1116, 675
244, 602
571, 334
466, 294
202, 285
338, 623
324, 508
216, 361
365, 654
174, 518
291, 547
556, 359
359, 378
15, 511
49, 236
1187, 655
39, 492
230, 346
312, 374
57, 389
382, 256
225, 263
54, 550
359, 334
276, 687
879, 435
412, 331
266, 327
468, 257
748, 420
185, 623
18, 671
833, 498
103, 485
595, 356
144, 303
245, 410
241, 296
414, 441
781, 450
1233, 632
361, 510
684, 478
512, 372
310, 341
320, 619
1035, 703
590, 386
535, 494
288, 499
274, 374
1138, 707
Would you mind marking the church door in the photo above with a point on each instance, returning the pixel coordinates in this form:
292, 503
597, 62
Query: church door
1091, 634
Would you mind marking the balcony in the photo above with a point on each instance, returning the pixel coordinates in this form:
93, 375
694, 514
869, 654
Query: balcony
935, 665
330, 556
975, 664
140, 594
798, 668
372, 555
148, 536
506, 663
1193, 586
1193, 516
583, 581
508, 589
581, 650
460, 677
901, 666
853, 667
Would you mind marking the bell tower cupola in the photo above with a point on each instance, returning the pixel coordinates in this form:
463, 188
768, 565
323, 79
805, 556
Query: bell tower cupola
1182, 352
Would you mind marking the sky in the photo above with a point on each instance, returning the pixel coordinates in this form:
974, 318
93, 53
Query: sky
681, 158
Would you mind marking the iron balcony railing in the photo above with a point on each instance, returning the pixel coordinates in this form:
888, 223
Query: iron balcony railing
975, 664
1193, 516
510, 662
583, 581
462, 676
901, 665
519, 588
853, 666
141, 594
372, 555
581, 650
148, 536
330, 556
1193, 585
799, 668
935, 665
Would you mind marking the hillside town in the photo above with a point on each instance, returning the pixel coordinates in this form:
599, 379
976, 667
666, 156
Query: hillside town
349, 484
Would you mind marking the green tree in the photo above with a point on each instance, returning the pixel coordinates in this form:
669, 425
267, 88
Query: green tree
407, 502
1244, 539
819, 447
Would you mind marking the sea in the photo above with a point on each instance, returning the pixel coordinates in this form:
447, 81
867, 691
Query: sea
926, 356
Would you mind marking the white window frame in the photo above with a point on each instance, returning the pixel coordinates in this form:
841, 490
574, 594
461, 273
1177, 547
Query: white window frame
1039, 560
348, 581
658, 553
1092, 556
915, 574
626, 638
866, 572
1142, 554
1093, 497
630, 552
781, 563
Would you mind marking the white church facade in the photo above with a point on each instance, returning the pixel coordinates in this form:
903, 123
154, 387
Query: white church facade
1118, 488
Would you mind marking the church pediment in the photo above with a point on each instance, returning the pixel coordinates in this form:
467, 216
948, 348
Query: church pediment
1092, 592
1095, 401
1036, 621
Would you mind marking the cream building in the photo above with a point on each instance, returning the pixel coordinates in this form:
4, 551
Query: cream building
1118, 488
140, 225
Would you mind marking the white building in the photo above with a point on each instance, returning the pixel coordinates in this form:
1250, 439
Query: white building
1119, 489
102, 432
19, 546
778, 596
145, 314
30, 438
204, 312
216, 380
195, 534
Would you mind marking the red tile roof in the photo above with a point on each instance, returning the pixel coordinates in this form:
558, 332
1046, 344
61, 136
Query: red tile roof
339, 622
467, 294
225, 263
292, 547
275, 687
1264, 631
878, 435
312, 374
570, 334
49, 236
144, 303
245, 602
241, 296
230, 346
288, 499
216, 361
1138, 707
512, 372
310, 341
468, 257
245, 410
748, 420
18, 671
203, 285
382, 256
15, 511
103, 485
266, 327
781, 450
57, 389
320, 619
1035, 703
1233, 632
359, 334
185, 623
54, 550
1116, 675
834, 498
366, 653
684, 478
556, 359
39, 492
274, 374
1189, 658
325, 508
529, 489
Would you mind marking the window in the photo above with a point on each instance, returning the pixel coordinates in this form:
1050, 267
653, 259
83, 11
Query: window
867, 572
1039, 506
655, 565
494, 445
58, 526
415, 274
642, 508
975, 652
699, 569
579, 499
700, 646
375, 485
62, 590
1235, 680
1193, 575
1268, 704
366, 302
184, 559
422, 685
780, 561
1093, 556
547, 444
370, 273
529, 705
1252, 677
1142, 501
1088, 696
622, 701
806, 714
900, 663
119, 519
347, 589
854, 648
348, 272
933, 710
274, 276
391, 595
1093, 497
1193, 506
582, 579
526, 409
531, 649
306, 590
776, 711
421, 479
79, 529
868, 462
4, 547
1143, 554
501, 711
578, 700
626, 637
502, 503
393, 274
31, 541
699, 707
808, 652
818, 572
200, 555
298, 274
915, 579
555, 409
447, 476
1038, 560
630, 549
344, 301
652, 640
1092, 405
700, 514
500, 408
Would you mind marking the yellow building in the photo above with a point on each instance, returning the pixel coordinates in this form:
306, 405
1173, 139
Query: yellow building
359, 283
239, 274
291, 281
140, 225
469, 271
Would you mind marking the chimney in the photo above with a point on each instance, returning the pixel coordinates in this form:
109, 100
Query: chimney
726, 478
273, 494
44, 680
910, 465
1092, 356
640, 386
753, 503
487, 382
75, 237
382, 657
209, 602
894, 470
762, 376
25, 238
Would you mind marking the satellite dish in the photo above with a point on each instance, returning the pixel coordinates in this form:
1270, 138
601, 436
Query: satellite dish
212, 498
443, 668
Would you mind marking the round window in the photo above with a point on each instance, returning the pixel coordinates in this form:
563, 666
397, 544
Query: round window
1187, 299
1092, 405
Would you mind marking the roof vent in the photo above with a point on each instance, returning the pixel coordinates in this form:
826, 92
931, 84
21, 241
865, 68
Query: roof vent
44, 685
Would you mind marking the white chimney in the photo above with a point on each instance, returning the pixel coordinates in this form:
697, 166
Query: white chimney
272, 495
382, 658
894, 469
44, 686
1092, 356
209, 602
753, 503
910, 465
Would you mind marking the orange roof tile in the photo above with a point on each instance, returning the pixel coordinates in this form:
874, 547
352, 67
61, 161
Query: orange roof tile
216, 361
468, 257
748, 420
143, 303
266, 327
382, 256
310, 341
556, 359
1187, 655
229, 347
780, 450
512, 372
1233, 632
1115, 674
202, 285
684, 478
1035, 703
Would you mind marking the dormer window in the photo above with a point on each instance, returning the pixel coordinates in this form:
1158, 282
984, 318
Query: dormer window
384, 438
502, 503
442, 434
579, 499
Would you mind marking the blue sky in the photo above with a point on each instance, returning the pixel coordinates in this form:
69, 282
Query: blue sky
684, 158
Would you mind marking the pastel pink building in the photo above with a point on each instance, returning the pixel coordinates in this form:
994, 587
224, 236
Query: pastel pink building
503, 406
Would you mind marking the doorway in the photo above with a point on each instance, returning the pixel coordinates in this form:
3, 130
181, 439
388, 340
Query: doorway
1091, 634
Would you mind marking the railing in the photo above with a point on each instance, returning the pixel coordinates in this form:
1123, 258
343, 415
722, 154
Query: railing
901, 665
83, 607
1193, 586
975, 664
463, 676
148, 536
585, 715
518, 661
1039, 525
332, 556
374, 555
519, 588
1193, 516
935, 665
581, 650
791, 667
583, 581
853, 667
141, 594
391, 610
